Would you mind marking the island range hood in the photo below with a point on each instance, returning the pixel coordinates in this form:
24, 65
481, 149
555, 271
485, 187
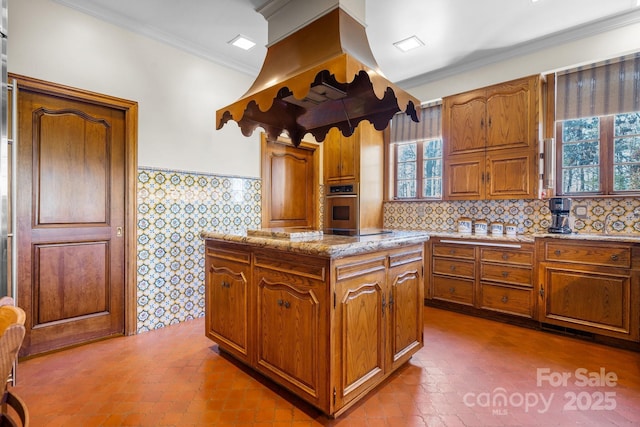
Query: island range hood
323, 75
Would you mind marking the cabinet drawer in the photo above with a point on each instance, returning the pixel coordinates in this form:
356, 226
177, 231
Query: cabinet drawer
507, 256
506, 299
454, 251
454, 267
594, 254
506, 274
451, 289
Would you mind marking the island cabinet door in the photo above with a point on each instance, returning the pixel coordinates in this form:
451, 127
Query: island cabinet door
360, 355
292, 325
227, 300
405, 304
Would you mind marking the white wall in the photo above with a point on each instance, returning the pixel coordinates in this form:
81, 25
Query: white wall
178, 93
609, 44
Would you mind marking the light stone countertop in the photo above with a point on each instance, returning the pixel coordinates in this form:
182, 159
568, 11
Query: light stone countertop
316, 243
530, 238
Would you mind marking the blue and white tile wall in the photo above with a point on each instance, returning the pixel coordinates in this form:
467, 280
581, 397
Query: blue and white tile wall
532, 216
173, 208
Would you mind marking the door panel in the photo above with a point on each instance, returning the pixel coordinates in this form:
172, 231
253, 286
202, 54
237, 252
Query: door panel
65, 275
290, 184
71, 216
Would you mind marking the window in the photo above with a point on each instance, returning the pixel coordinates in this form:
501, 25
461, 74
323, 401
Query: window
598, 128
416, 150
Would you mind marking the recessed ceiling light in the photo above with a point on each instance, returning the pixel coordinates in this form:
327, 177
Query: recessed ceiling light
409, 44
242, 42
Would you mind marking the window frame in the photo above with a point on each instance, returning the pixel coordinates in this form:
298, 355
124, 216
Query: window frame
420, 178
606, 166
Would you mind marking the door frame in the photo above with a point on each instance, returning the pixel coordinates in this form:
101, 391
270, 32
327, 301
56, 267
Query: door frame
130, 109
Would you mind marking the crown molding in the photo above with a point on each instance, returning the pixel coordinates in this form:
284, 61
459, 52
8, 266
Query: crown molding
620, 20
154, 33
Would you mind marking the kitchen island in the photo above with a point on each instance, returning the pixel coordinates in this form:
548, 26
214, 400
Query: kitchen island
327, 317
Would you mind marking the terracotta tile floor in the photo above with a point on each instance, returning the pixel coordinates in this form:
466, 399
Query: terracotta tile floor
472, 372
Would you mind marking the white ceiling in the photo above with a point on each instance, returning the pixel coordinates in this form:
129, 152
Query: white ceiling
458, 34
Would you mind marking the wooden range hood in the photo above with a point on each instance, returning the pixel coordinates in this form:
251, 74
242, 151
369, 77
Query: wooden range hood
323, 75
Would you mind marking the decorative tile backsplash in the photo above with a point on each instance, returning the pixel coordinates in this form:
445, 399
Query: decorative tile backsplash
173, 208
532, 216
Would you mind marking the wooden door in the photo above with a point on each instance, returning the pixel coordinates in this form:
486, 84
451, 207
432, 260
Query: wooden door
360, 319
341, 156
511, 174
511, 114
463, 177
227, 300
290, 184
406, 302
464, 123
72, 183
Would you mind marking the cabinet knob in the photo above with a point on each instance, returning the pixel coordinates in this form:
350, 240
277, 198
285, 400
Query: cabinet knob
284, 303
226, 284
452, 251
614, 257
505, 257
557, 252
452, 290
452, 268
505, 273
505, 299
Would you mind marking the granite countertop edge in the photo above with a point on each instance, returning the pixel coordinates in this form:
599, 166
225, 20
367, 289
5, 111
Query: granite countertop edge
326, 245
341, 246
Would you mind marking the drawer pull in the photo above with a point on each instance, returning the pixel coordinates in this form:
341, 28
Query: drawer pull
452, 268
505, 274
452, 290
614, 257
557, 252
505, 257
452, 252
505, 299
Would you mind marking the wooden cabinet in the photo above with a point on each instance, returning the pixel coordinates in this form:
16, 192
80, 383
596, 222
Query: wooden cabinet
358, 160
490, 140
487, 275
361, 292
290, 322
379, 305
227, 296
590, 287
506, 280
327, 329
406, 298
453, 272
341, 157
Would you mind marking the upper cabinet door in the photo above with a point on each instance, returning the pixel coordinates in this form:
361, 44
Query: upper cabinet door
464, 123
511, 114
341, 158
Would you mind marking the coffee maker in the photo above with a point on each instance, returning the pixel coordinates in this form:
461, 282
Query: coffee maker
560, 209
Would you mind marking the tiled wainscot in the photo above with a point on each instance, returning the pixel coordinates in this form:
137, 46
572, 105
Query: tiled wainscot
173, 208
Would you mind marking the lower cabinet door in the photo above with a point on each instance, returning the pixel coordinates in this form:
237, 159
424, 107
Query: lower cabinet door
359, 317
592, 301
406, 302
289, 333
227, 297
